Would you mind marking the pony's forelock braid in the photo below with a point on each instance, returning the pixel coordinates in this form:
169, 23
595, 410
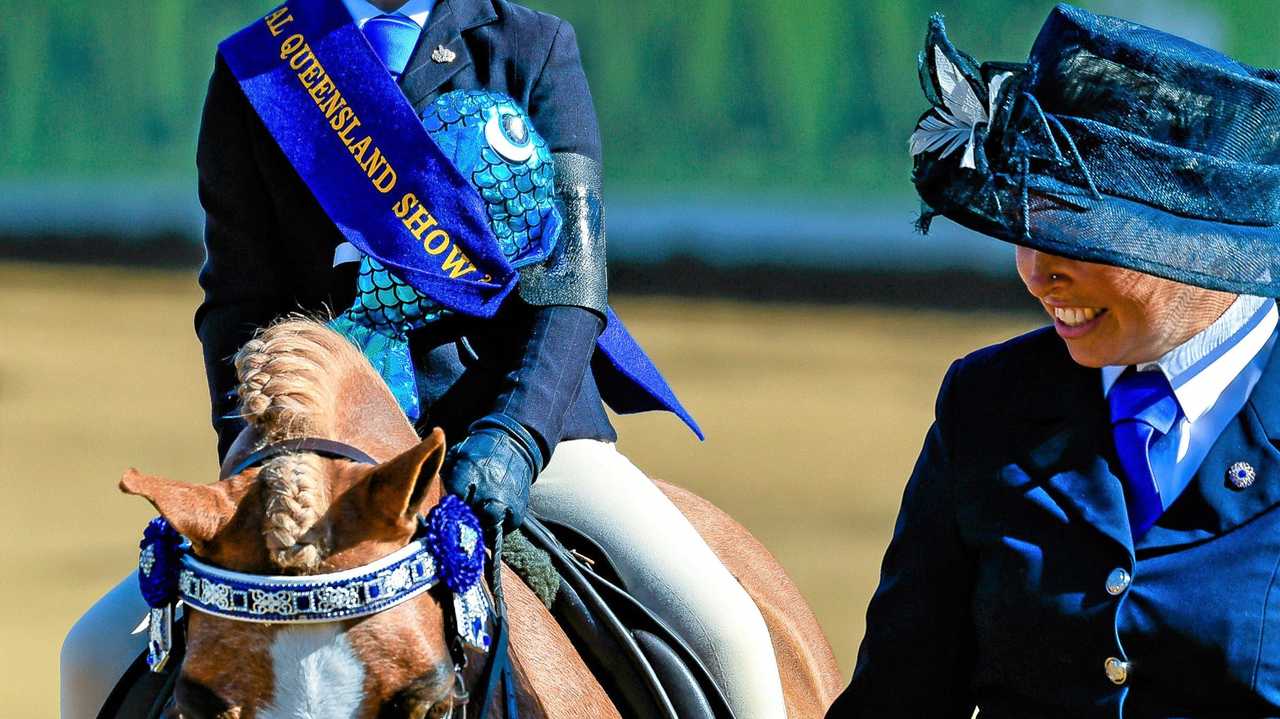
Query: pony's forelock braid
289, 376
296, 499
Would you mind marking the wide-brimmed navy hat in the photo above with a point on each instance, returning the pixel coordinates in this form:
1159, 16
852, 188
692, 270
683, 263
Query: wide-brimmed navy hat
1113, 143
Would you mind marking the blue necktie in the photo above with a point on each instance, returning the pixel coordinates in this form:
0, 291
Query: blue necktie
1143, 411
392, 38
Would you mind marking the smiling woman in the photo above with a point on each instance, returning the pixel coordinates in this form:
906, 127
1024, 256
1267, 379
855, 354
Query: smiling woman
1115, 316
1079, 481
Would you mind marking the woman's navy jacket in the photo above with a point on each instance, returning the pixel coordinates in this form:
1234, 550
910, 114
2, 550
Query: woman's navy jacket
993, 591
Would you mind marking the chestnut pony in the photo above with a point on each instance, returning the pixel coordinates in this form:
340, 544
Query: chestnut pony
307, 514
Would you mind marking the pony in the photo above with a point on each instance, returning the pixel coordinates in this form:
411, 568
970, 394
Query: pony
304, 513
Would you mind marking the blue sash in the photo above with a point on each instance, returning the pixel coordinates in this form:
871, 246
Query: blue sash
355, 141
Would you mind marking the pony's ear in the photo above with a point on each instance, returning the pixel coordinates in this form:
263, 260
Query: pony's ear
398, 487
197, 511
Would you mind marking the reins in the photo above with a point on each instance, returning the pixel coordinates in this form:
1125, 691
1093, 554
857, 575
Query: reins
498, 671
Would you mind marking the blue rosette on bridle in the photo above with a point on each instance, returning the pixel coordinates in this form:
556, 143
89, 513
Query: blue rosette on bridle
159, 559
159, 564
455, 538
491, 141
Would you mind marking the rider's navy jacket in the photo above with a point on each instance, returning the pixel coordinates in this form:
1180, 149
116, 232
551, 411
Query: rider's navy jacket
270, 247
1000, 590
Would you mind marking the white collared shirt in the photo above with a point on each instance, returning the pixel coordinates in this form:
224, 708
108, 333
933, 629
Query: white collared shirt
1200, 369
416, 10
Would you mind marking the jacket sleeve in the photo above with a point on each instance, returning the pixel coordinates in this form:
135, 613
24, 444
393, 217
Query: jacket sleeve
560, 104
916, 656
241, 277
561, 336
561, 109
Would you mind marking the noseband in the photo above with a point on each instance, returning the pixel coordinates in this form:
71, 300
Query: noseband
448, 548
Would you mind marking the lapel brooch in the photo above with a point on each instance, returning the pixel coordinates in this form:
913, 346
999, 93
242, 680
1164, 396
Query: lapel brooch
443, 54
1241, 475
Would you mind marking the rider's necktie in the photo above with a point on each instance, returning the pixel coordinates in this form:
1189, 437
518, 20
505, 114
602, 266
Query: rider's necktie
1143, 411
393, 38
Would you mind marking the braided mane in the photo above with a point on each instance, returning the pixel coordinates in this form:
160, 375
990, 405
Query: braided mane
289, 375
289, 379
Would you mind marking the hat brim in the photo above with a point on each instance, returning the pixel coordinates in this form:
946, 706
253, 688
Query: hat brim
1070, 222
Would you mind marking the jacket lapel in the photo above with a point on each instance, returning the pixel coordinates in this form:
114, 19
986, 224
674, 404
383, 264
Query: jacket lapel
1065, 440
1211, 504
424, 74
1071, 457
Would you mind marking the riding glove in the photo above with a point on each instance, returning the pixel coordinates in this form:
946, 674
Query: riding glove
493, 468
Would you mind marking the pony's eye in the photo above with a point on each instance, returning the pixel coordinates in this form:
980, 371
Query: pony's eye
508, 135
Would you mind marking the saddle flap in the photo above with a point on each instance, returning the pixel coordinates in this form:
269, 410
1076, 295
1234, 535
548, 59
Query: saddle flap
682, 687
653, 648
611, 654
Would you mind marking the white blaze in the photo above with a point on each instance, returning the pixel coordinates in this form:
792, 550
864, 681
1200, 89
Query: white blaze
317, 675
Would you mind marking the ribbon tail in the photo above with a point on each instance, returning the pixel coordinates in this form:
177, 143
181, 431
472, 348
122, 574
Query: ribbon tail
160, 638
471, 614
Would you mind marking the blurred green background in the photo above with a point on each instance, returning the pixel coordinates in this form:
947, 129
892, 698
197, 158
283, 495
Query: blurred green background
798, 96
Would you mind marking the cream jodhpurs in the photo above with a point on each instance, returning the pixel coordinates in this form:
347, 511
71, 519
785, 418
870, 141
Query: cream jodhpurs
588, 484
667, 566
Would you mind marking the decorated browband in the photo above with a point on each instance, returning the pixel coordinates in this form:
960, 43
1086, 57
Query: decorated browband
448, 549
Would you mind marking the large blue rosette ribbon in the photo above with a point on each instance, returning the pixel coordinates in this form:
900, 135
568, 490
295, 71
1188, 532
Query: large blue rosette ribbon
491, 141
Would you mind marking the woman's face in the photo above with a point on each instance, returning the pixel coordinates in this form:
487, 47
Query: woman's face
1113, 316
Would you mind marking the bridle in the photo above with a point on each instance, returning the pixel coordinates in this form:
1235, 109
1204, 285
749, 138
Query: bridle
448, 549
330, 448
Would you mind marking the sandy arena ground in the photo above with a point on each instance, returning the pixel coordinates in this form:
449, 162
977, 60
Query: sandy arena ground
814, 416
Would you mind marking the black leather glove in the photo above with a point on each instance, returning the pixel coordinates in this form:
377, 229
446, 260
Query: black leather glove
493, 468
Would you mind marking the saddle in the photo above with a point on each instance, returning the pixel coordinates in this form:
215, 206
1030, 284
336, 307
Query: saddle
647, 669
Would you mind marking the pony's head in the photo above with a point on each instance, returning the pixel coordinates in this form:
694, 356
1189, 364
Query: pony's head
305, 514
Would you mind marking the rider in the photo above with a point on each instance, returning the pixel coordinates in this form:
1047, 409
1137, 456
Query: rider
522, 389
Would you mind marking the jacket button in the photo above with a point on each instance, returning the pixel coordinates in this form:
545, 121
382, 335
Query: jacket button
1117, 670
1118, 581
